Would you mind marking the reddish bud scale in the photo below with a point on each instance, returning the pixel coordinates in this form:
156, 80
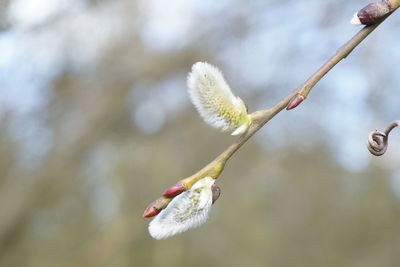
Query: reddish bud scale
151, 211
296, 100
174, 190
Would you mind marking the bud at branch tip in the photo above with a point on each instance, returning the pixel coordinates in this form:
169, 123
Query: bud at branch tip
374, 12
150, 211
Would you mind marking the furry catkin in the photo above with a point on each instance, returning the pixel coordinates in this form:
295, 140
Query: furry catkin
187, 210
214, 100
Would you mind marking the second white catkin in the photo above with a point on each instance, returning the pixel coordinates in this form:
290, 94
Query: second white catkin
187, 210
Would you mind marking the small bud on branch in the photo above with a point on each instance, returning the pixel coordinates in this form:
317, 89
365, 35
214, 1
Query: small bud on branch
174, 190
295, 101
374, 12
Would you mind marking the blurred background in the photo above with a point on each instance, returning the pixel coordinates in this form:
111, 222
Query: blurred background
96, 123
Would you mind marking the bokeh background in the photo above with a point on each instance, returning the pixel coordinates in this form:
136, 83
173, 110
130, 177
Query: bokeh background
96, 123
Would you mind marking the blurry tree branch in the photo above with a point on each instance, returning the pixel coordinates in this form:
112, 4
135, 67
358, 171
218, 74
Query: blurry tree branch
21, 198
261, 117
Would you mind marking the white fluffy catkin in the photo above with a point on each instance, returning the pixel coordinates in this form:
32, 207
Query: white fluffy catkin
214, 100
187, 210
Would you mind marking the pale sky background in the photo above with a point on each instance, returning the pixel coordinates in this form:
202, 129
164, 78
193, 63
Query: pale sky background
283, 45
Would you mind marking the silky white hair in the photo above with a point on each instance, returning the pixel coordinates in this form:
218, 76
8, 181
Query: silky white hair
355, 20
187, 210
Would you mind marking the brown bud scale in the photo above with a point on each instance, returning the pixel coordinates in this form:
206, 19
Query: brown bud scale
216, 192
374, 12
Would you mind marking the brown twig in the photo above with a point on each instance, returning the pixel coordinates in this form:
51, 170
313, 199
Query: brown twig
261, 117
378, 141
342, 53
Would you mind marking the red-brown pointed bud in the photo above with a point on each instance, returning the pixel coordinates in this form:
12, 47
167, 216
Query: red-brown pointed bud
174, 190
216, 192
296, 100
151, 211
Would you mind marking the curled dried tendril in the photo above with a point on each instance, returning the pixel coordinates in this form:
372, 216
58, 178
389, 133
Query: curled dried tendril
378, 141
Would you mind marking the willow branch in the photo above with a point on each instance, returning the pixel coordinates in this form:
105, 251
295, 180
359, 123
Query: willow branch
261, 117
